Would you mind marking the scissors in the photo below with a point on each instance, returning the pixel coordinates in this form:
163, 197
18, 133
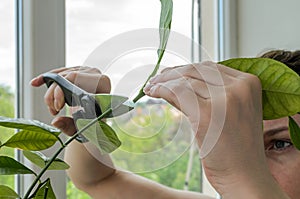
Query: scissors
75, 96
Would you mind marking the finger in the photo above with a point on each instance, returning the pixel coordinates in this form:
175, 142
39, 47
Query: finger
177, 94
93, 83
171, 68
59, 99
37, 81
65, 124
74, 68
224, 69
49, 99
209, 74
199, 87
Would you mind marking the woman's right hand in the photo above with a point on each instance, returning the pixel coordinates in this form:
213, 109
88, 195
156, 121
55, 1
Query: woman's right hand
225, 110
89, 79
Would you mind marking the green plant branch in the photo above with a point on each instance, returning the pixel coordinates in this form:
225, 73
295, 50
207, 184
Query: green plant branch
60, 141
141, 92
64, 145
43, 171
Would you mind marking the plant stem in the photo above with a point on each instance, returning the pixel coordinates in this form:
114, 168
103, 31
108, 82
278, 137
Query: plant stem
141, 92
43, 171
36, 180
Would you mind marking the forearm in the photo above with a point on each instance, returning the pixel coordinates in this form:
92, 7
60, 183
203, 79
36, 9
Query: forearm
100, 180
259, 187
126, 185
87, 166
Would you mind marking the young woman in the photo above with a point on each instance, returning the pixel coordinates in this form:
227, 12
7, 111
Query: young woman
245, 162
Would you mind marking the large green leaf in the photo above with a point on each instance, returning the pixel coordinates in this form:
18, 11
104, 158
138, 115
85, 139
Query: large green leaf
294, 132
7, 193
9, 166
115, 102
280, 85
101, 135
41, 160
45, 191
29, 125
31, 140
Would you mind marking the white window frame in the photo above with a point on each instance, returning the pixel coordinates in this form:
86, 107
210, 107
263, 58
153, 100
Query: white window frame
40, 48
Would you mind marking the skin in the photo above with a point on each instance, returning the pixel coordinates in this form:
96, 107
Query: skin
194, 90
282, 157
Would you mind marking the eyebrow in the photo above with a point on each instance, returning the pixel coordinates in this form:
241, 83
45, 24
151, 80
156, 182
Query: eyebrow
274, 131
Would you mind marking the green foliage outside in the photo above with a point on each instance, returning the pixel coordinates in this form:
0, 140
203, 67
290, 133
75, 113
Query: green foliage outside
134, 130
6, 109
151, 128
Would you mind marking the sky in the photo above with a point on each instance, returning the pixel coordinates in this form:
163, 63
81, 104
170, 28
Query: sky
89, 24
7, 43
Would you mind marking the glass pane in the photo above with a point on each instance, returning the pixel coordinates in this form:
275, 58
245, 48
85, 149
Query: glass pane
96, 28
7, 80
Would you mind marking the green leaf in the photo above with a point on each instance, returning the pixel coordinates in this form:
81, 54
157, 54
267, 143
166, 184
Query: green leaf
35, 157
280, 85
41, 160
165, 24
29, 125
31, 140
9, 166
101, 135
7, 193
45, 191
294, 132
115, 102
58, 164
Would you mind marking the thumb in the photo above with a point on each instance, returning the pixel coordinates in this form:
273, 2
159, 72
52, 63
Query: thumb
65, 124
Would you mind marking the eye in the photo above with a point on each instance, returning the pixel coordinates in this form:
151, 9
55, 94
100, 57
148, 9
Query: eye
281, 145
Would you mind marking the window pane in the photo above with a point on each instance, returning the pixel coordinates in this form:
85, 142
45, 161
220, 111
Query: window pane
94, 23
7, 70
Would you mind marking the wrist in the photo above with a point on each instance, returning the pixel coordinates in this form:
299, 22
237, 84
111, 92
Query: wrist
254, 187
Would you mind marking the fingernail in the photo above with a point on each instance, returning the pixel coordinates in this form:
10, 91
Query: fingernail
152, 89
32, 80
147, 87
152, 79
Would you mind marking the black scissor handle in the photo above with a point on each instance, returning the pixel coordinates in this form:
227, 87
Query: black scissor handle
72, 93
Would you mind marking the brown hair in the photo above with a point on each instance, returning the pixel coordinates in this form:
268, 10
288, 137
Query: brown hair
289, 58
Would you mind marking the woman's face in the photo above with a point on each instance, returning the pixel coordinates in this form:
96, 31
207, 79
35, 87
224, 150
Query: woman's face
283, 158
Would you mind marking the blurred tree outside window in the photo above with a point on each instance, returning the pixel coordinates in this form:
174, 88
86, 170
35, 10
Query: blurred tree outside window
7, 110
7, 74
150, 127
